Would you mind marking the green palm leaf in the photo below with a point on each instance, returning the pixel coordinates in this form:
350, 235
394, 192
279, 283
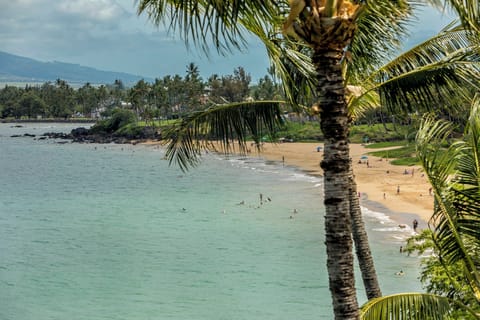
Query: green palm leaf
468, 176
468, 12
431, 73
407, 306
381, 26
212, 22
290, 60
452, 173
294, 68
226, 124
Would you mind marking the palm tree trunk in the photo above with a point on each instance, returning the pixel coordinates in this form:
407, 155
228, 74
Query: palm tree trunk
336, 166
362, 247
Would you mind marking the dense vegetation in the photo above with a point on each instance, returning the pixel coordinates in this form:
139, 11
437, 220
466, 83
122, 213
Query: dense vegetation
166, 98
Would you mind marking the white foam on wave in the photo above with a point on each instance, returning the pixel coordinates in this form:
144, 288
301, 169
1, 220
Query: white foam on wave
395, 231
297, 176
380, 216
408, 231
287, 174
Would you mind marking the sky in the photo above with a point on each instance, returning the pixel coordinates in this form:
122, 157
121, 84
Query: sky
109, 35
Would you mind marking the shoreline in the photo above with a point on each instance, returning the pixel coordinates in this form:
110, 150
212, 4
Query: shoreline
377, 182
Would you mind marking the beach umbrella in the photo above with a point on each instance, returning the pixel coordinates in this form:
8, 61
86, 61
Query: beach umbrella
364, 157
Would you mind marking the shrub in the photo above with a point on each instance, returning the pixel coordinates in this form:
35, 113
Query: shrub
118, 119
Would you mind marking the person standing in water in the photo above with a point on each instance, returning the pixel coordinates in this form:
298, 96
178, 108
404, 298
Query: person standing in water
415, 225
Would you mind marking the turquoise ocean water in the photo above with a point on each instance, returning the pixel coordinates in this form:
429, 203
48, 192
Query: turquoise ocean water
112, 232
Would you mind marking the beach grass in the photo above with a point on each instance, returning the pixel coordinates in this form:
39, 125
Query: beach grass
407, 151
409, 161
386, 144
378, 132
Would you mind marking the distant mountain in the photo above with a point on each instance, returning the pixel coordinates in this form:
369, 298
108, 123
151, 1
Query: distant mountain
15, 68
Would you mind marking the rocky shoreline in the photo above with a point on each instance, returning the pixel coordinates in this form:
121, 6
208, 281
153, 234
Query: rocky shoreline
84, 135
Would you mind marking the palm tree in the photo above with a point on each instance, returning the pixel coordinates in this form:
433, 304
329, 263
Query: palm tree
454, 173
328, 28
328, 52
455, 177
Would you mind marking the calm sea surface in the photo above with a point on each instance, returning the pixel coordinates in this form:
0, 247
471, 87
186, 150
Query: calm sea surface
112, 232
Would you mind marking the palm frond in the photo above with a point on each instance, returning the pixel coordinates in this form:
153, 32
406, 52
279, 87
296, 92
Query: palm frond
381, 27
467, 179
468, 11
361, 102
407, 306
435, 72
226, 124
291, 62
295, 69
452, 218
208, 22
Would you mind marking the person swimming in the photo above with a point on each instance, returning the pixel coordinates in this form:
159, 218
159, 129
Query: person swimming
400, 273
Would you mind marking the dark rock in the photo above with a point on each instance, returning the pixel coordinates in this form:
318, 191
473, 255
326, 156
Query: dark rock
57, 135
79, 132
83, 135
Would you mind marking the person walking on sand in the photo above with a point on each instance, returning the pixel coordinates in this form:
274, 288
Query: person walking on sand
398, 189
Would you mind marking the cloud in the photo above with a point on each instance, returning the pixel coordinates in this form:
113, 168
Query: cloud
53, 30
94, 10
58, 20
108, 35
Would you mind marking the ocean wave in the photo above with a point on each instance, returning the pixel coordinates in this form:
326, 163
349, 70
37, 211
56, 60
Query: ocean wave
380, 216
405, 230
270, 167
297, 176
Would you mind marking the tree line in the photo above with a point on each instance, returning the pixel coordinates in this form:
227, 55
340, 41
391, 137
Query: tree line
165, 98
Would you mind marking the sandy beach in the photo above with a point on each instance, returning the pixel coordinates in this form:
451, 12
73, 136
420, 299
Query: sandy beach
377, 181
